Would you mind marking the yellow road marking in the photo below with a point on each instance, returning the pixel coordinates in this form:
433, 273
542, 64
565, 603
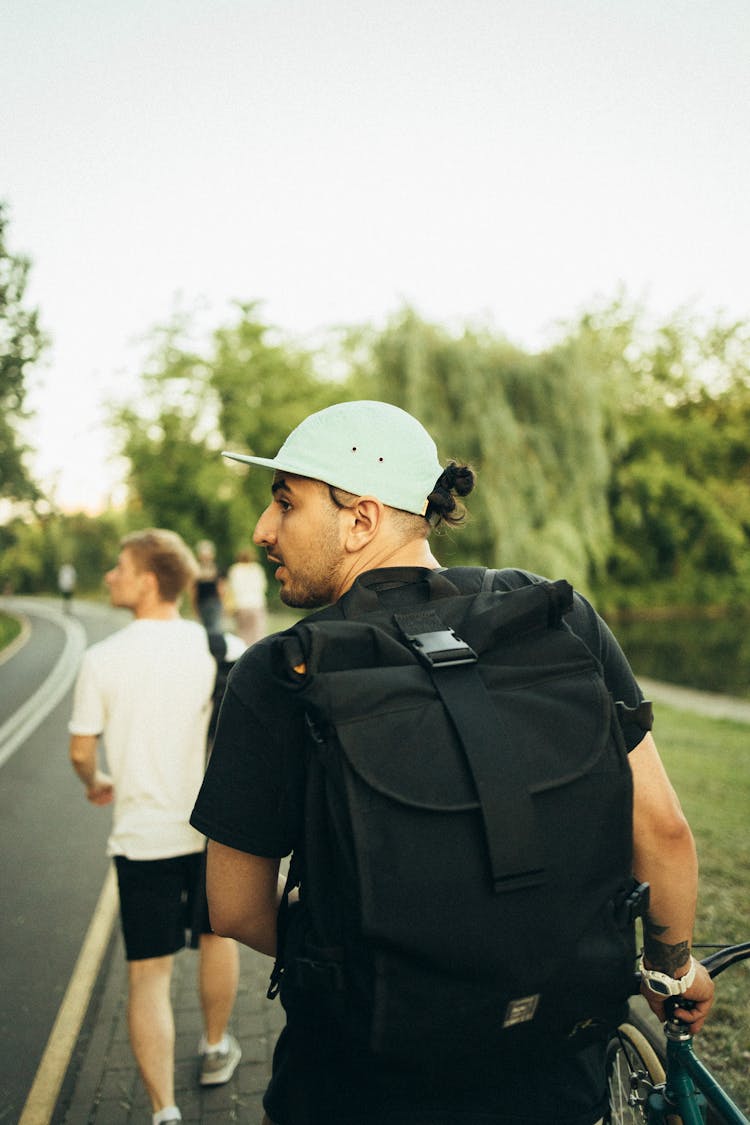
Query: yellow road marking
45, 1089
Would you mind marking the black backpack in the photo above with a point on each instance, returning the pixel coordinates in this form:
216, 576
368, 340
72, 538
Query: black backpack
465, 877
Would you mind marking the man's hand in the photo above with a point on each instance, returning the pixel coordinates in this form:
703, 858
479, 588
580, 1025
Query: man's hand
83, 756
701, 993
101, 791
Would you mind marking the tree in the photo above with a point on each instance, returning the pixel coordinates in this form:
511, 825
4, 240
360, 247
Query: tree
537, 428
679, 494
243, 391
618, 458
264, 385
170, 439
21, 344
32, 550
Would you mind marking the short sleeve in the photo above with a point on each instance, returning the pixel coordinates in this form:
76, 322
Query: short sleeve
618, 675
586, 623
251, 796
89, 709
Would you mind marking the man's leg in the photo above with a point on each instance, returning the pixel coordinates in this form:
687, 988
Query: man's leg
219, 976
151, 1026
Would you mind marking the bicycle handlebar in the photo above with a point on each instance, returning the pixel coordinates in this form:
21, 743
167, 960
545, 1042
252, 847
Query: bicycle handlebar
717, 962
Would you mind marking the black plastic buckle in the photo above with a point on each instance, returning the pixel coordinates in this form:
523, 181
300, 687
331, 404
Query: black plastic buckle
631, 904
441, 649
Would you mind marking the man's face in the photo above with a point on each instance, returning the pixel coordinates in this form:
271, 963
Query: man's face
301, 530
125, 582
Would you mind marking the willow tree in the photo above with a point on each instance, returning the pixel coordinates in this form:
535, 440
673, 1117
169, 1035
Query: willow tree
537, 428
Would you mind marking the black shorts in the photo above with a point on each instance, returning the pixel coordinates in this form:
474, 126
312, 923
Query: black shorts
163, 905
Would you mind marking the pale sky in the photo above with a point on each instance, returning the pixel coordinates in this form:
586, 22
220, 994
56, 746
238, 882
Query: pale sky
502, 161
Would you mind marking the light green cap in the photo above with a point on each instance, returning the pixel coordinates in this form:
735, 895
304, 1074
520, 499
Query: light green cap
368, 448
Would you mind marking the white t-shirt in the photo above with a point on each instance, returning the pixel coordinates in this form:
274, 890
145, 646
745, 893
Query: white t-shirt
147, 690
247, 581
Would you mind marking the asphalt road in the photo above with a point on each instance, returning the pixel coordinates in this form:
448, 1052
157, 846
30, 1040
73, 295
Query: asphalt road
52, 841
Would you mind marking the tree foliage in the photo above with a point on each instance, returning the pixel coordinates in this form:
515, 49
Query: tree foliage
170, 440
619, 457
537, 428
264, 386
21, 344
679, 493
31, 550
243, 392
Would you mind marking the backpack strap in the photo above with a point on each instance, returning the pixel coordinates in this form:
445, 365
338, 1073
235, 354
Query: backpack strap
488, 579
515, 858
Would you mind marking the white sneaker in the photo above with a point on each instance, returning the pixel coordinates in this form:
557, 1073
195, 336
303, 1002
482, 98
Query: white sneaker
217, 1067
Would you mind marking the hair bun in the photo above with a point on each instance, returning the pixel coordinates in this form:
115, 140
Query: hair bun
454, 479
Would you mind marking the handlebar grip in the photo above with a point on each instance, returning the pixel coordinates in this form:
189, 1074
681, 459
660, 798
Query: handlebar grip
672, 1003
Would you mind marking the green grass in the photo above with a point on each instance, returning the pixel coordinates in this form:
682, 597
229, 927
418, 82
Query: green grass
10, 627
708, 761
282, 618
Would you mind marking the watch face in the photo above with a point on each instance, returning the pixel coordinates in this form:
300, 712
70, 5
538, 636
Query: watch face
663, 985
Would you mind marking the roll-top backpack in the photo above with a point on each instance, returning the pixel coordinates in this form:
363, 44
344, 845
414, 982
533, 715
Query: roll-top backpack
465, 878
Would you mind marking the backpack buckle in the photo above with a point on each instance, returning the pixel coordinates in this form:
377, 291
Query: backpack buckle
434, 642
441, 649
631, 903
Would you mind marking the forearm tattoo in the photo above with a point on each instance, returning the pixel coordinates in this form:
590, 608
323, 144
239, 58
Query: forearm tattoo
660, 956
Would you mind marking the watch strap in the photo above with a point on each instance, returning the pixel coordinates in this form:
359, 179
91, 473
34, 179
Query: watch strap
663, 985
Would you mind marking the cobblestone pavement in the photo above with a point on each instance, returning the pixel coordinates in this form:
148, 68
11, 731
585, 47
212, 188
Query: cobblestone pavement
103, 1086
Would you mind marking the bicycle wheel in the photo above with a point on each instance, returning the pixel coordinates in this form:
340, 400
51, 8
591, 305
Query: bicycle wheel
632, 1068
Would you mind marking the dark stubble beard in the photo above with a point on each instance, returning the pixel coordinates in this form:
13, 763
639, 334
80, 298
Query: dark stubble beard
316, 585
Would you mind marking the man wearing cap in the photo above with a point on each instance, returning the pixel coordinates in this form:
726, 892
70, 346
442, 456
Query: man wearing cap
356, 490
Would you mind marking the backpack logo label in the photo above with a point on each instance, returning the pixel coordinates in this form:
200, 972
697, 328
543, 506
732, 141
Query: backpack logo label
521, 1010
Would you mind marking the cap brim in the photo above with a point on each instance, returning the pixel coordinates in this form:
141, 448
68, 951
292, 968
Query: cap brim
267, 461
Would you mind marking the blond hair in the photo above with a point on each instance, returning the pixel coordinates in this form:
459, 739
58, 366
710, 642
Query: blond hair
165, 555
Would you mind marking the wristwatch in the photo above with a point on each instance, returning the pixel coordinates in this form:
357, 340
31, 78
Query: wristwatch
664, 985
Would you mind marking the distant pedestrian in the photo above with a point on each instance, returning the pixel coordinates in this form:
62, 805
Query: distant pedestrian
246, 584
66, 584
147, 690
207, 589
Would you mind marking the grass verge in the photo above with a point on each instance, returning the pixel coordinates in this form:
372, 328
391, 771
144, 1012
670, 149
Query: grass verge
708, 761
10, 627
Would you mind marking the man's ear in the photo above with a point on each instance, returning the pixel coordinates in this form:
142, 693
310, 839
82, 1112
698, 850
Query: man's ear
150, 582
366, 519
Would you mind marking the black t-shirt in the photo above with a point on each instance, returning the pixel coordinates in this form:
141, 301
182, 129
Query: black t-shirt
252, 800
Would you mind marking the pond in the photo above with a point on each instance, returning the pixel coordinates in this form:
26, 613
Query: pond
712, 654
